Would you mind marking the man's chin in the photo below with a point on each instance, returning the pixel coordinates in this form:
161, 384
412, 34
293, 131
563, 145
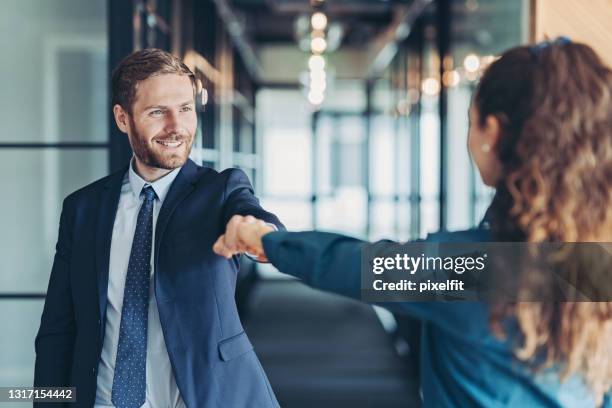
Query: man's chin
168, 163
172, 164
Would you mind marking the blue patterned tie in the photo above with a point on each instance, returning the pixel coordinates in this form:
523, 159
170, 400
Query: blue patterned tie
129, 383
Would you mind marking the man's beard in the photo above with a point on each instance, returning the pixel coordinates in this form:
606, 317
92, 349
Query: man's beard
152, 158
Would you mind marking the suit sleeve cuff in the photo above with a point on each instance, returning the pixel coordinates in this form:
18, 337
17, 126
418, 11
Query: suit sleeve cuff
271, 243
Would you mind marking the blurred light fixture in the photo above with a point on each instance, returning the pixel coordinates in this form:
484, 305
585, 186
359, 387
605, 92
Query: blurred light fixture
451, 78
318, 45
316, 63
413, 96
317, 83
471, 63
318, 86
317, 34
316, 98
318, 21
471, 76
431, 86
317, 75
403, 107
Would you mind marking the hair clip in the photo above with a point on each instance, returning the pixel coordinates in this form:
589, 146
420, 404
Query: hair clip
537, 49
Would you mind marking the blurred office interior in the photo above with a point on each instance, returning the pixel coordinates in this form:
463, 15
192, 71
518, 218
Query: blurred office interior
368, 138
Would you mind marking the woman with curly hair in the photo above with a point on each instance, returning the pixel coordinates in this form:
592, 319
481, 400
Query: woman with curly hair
541, 134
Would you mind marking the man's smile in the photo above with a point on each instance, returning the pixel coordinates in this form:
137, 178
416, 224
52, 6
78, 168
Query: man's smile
170, 144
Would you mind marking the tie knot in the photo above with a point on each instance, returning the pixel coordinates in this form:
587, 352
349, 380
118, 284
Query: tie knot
148, 193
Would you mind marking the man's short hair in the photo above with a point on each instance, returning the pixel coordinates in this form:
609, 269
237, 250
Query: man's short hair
139, 66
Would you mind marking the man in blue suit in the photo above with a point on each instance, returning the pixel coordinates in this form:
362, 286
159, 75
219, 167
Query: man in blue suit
139, 311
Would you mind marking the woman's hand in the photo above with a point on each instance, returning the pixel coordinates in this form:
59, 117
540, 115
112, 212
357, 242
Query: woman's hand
243, 234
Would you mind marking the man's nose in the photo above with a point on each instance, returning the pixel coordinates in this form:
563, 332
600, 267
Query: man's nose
172, 121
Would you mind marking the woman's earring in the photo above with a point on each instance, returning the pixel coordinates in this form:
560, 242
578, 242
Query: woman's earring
485, 147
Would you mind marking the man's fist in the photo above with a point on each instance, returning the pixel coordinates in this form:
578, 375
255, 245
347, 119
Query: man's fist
243, 234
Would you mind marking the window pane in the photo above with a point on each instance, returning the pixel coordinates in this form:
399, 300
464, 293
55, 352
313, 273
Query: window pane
382, 156
36, 181
459, 173
403, 220
294, 214
58, 70
430, 222
325, 146
20, 320
403, 154
345, 211
287, 162
383, 220
284, 125
346, 96
430, 154
348, 158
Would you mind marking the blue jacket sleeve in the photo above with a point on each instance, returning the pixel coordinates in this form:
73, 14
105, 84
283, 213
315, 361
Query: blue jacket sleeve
332, 262
323, 260
240, 199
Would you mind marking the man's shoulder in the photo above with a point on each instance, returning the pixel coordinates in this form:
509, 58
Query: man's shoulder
226, 178
228, 173
92, 189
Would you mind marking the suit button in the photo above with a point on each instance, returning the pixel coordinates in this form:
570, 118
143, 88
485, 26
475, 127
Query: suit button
94, 370
99, 322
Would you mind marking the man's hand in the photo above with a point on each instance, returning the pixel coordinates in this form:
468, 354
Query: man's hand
243, 234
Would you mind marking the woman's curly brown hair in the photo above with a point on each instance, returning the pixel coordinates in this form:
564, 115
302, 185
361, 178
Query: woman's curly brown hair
554, 103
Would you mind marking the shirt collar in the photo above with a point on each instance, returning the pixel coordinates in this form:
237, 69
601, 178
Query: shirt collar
160, 186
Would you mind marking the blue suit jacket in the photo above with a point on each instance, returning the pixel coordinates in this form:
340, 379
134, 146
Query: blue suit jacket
213, 360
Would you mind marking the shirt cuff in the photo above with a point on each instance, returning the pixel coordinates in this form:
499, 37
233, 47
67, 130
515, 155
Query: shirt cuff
254, 257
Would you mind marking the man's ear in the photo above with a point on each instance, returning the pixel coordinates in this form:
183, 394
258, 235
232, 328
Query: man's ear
492, 130
121, 118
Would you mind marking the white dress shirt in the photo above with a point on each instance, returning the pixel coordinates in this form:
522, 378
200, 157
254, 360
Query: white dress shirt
161, 389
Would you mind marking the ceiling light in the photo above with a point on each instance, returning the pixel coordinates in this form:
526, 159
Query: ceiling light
316, 63
318, 87
318, 45
318, 21
471, 63
451, 78
316, 98
431, 86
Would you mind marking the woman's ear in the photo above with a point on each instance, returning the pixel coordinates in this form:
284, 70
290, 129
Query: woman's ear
492, 131
121, 118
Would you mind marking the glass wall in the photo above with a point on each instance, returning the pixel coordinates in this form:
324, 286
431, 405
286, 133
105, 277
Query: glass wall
479, 30
386, 156
56, 137
53, 108
284, 124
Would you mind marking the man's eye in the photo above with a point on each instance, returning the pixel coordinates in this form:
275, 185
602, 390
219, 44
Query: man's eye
187, 108
156, 112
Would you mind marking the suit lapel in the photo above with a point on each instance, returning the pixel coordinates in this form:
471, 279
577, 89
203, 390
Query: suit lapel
107, 210
182, 185
109, 201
